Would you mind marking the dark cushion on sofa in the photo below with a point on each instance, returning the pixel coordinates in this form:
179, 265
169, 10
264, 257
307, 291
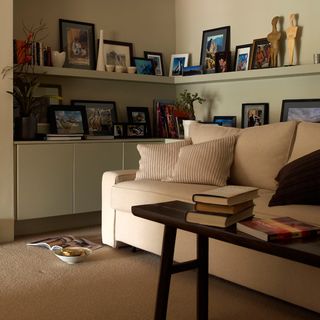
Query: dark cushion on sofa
299, 182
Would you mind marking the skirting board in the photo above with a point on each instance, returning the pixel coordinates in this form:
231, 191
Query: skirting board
71, 221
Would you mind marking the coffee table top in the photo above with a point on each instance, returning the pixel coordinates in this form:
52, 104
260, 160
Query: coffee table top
172, 213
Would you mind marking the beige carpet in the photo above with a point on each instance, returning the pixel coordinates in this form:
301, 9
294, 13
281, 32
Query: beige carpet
115, 284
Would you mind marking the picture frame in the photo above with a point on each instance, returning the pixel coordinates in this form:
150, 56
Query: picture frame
144, 65
140, 115
254, 114
119, 130
67, 119
242, 57
177, 63
213, 41
300, 110
225, 121
118, 53
136, 130
223, 61
157, 59
77, 39
260, 58
101, 115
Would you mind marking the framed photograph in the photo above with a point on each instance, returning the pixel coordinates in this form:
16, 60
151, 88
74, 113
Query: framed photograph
254, 114
156, 57
136, 130
223, 61
300, 110
68, 119
119, 130
260, 54
118, 53
225, 121
77, 39
213, 41
178, 62
242, 57
101, 115
144, 66
139, 115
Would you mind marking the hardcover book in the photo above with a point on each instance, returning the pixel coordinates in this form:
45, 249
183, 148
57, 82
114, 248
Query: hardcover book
278, 228
218, 208
218, 220
227, 195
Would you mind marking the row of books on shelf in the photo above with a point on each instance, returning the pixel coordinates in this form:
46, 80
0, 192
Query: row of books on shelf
37, 53
226, 206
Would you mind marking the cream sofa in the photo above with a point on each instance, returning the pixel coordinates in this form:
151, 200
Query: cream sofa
260, 152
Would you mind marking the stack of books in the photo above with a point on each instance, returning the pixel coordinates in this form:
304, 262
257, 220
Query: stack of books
59, 137
223, 207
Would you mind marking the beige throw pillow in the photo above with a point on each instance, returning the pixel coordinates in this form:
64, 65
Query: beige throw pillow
205, 163
158, 160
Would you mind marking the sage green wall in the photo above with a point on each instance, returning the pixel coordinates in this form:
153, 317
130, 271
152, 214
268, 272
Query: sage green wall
248, 20
6, 139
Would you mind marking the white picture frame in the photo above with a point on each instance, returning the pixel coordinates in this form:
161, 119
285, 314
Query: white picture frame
177, 63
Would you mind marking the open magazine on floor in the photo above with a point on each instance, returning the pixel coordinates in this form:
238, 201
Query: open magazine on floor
54, 243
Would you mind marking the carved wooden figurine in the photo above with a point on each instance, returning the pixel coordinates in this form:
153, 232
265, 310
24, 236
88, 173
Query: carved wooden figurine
274, 38
291, 36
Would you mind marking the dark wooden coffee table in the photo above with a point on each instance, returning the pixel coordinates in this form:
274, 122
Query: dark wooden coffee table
172, 215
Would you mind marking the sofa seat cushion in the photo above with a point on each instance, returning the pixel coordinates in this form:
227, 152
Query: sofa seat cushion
309, 214
126, 194
260, 153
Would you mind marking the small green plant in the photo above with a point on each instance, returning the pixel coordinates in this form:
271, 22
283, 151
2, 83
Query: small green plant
186, 101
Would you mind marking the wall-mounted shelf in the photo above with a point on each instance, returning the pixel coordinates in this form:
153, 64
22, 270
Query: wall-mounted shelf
270, 73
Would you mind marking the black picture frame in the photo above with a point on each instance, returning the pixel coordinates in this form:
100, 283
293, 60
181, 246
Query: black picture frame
140, 115
254, 114
223, 61
119, 130
68, 119
157, 59
136, 130
118, 53
77, 39
300, 110
144, 65
242, 57
101, 115
213, 40
260, 57
225, 121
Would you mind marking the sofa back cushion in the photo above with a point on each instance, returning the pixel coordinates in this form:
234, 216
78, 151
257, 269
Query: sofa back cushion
260, 153
200, 132
307, 139
157, 161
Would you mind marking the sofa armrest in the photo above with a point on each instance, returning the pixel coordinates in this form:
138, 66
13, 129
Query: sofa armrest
108, 217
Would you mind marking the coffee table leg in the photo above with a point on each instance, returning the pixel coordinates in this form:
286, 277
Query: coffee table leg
202, 290
169, 239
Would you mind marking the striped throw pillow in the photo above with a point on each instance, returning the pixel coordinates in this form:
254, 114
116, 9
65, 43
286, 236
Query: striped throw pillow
205, 163
158, 160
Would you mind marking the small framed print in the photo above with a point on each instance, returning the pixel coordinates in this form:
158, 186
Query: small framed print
77, 39
119, 130
136, 130
139, 115
260, 54
242, 57
178, 62
300, 110
225, 121
144, 66
223, 61
101, 115
254, 114
156, 57
118, 53
213, 41
68, 119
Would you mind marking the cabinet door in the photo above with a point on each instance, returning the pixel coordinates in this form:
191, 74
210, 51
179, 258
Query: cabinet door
91, 161
44, 180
